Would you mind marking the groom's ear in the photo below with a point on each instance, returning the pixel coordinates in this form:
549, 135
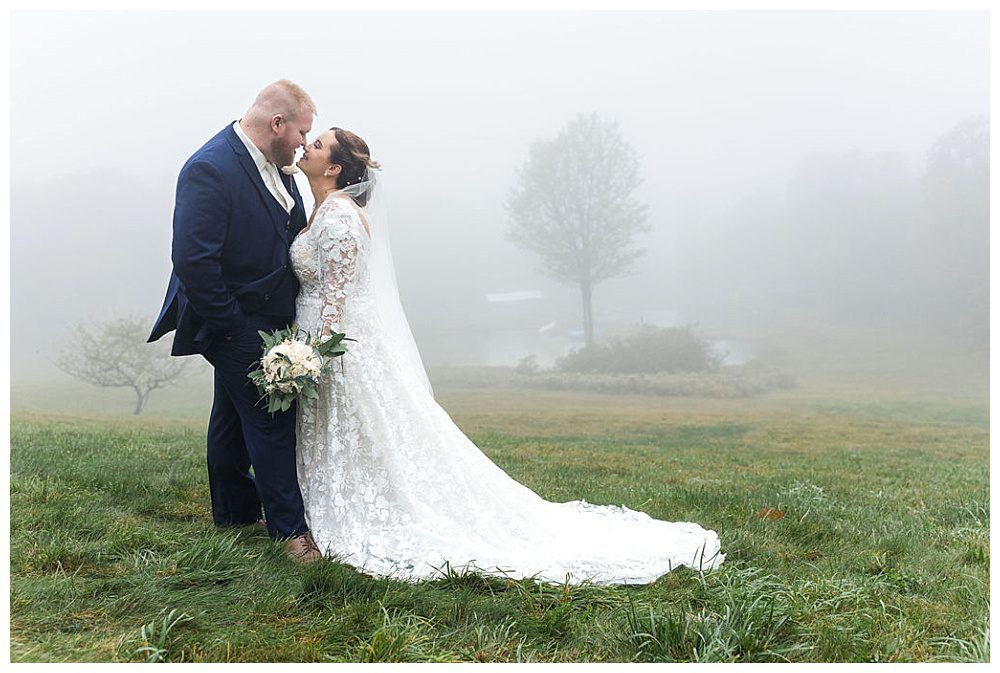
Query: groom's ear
276, 122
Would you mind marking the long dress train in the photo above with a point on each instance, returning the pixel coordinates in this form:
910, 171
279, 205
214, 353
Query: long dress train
392, 486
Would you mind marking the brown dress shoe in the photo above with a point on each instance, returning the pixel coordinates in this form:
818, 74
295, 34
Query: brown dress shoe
303, 549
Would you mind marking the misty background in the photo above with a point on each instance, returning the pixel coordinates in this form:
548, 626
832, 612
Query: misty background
806, 173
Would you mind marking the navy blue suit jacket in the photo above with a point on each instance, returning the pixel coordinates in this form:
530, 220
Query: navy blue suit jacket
230, 248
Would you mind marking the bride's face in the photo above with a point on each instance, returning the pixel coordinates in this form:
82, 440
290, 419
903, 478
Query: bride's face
315, 159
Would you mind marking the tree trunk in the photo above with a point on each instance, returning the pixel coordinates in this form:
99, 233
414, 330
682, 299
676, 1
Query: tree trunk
140, 402
588, 315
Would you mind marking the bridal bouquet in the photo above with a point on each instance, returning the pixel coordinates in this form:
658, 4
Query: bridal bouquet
291, 365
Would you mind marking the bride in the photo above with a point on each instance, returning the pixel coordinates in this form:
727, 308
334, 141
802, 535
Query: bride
390, 484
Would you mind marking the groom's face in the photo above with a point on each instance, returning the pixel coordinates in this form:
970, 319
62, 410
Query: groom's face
290, 134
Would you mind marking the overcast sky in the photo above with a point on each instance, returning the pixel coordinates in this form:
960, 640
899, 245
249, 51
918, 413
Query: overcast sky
724, 103
720, 106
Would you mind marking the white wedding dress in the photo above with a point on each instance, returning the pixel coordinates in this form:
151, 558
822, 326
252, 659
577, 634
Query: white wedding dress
393, 487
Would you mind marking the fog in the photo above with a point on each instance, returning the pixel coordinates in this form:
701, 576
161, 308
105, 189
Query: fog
788, 161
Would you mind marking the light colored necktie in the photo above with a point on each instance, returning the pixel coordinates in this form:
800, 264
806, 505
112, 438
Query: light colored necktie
276, 186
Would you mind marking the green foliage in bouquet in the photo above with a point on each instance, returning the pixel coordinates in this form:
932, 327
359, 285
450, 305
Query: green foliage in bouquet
291, 364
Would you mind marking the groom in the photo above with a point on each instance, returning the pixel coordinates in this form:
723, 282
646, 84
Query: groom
235, 215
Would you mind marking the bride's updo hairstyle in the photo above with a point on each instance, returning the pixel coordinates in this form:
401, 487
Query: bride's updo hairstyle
354, 158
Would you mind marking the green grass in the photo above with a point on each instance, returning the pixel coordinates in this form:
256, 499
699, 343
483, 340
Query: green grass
882, 553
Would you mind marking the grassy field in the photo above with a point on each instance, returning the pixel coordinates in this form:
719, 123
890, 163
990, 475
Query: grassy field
882, 553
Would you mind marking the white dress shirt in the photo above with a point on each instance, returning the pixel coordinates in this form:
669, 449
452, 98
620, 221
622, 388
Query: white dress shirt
268, 171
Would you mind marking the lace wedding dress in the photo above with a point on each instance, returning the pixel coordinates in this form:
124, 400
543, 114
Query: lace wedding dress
392, 486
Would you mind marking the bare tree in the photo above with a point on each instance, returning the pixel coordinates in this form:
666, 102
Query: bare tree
115, 355
573, 205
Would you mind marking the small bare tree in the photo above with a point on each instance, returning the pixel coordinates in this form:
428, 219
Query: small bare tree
573, 205
115, 355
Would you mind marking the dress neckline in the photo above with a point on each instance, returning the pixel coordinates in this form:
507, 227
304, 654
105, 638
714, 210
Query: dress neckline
329, 198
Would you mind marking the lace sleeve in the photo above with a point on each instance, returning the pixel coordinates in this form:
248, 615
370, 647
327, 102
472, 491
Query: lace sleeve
338, 250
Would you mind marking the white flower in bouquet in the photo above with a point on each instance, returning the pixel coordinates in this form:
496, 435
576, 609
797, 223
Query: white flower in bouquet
291, 359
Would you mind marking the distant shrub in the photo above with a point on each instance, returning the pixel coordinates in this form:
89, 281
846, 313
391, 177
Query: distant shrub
731, 382
527, 365
738, 381
649, 350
